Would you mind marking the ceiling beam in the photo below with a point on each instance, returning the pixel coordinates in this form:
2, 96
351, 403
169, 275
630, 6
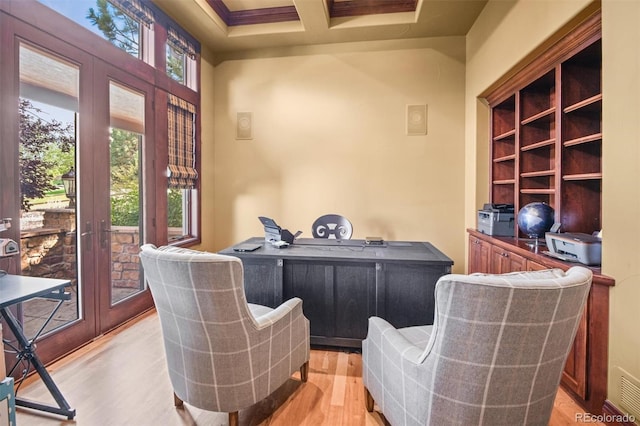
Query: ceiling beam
313, 14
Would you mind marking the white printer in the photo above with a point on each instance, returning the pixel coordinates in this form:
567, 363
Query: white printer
574, 247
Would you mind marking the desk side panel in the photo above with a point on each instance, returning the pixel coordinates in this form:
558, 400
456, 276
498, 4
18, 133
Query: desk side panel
263, 281
408, 293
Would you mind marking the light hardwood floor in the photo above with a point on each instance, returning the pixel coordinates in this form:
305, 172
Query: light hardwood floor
121, 379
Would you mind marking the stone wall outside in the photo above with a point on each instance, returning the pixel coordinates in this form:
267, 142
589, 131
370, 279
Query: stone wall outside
48, 248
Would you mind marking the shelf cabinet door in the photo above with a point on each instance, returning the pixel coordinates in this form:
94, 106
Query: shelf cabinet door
503, 261
479, 255
535, 266
574, 375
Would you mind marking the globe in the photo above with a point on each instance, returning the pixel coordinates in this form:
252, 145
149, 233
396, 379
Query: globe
535, 219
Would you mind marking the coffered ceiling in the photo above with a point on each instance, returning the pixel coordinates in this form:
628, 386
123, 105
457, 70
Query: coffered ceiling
236, 25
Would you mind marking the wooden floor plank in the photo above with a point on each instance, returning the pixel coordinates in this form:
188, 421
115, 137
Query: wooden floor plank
340, 380
121, 378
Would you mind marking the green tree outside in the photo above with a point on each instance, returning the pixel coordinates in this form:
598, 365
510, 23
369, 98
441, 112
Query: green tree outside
118, 27
47, 149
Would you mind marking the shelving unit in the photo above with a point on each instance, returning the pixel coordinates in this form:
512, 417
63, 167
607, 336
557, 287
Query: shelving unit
546, 128
546, 145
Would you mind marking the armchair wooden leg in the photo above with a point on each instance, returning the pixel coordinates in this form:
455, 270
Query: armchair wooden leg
177, 401
368, 400
304, 372
233, 419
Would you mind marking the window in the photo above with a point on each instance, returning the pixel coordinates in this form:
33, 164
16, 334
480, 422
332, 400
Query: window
139, 27
182, 173
176, 64
127, 24
181, 58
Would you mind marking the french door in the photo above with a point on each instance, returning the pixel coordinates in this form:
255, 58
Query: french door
85, 223
122, 171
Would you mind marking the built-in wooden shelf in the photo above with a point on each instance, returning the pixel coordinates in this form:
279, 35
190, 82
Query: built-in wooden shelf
541, 144
505, 135
583, 104
505, 158
538, 191
538, 116
504, 182
585, 139
583, 176
538, 173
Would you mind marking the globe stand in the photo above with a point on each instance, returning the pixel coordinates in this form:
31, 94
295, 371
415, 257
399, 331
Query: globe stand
534, 242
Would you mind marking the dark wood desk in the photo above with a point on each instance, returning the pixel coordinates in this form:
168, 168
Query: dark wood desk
15, 289
344, 282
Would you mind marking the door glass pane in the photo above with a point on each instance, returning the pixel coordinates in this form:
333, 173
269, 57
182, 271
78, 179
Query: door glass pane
48, 108
125, 149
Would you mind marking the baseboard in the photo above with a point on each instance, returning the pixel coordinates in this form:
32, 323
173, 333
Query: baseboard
611, 415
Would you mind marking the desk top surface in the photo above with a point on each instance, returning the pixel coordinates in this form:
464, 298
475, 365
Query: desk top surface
16, 288
356, 250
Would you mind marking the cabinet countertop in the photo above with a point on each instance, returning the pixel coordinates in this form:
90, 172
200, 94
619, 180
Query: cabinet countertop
522, 246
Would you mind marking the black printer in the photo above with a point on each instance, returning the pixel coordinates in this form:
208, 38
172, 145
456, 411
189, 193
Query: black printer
497, 220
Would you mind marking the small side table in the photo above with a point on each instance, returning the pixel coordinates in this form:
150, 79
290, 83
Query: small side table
15, 289
7, 403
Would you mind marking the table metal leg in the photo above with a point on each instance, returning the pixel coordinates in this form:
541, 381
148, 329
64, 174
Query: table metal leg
26, 351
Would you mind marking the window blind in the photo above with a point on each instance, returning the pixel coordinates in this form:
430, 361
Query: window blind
180, 43
126, 108
136, 10
48, 79
182, 171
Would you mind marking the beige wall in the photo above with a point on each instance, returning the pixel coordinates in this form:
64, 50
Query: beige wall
207, 172
329, 137
495, 45
621, 185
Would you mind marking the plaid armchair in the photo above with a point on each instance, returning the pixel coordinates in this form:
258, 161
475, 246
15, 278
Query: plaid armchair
494, 355
223, 354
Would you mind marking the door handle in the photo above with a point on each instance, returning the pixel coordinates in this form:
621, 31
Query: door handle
104, 232
88, 232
